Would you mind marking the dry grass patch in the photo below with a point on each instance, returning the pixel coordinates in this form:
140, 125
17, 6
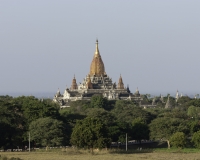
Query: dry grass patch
74, 154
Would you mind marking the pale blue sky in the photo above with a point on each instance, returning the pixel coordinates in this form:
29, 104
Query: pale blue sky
154, 44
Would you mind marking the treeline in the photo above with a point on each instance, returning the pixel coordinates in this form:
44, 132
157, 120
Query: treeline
96, 123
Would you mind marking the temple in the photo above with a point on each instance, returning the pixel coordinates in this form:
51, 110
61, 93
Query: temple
97, 82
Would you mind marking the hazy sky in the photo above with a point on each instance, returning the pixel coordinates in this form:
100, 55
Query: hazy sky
154, 44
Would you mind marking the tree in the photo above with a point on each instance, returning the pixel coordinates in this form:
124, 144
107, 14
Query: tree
194, 126
79, 106
193, 112
34, 108
98, 101
184, 100
196, 139
178, 140
140, 130
11, 123
69, 120
47, 132
175, 113
194, 102
163, 128
127, 111
123, 127
108, 119
90, 133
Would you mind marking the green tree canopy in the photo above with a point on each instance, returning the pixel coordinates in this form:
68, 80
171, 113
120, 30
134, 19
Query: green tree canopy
193, 112
127, 111
140, 130
69, 119
194, 102
194, 126
196, 139
47, 132
34, 108
98, 101
178, 140
78, 106
184, 100
163, 128
90, 133
108, 119
174, 113
11, 123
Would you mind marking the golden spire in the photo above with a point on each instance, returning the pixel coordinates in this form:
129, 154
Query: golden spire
97, 48
120, 83
97, 66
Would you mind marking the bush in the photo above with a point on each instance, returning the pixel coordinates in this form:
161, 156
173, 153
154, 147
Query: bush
196, 139
178, 140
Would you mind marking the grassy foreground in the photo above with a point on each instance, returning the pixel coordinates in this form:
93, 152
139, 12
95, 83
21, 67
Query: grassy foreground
73, 154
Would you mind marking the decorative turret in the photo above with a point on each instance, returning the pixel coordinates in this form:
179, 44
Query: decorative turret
120, 83
74, 84
97, 65
137, 93
58, 93
89, 83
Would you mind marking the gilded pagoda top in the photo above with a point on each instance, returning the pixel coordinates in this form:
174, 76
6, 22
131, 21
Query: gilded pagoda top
97, 66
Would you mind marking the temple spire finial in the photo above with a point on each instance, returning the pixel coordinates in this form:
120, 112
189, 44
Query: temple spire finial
97, 47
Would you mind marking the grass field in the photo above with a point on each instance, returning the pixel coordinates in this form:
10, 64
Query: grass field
70, 154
